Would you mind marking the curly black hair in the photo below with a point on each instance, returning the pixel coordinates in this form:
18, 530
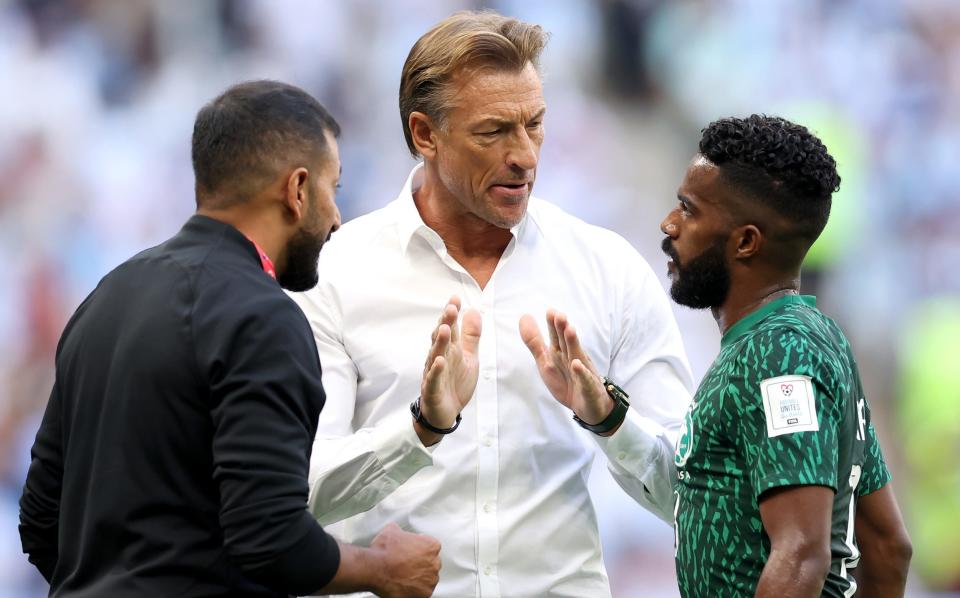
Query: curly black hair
777, 162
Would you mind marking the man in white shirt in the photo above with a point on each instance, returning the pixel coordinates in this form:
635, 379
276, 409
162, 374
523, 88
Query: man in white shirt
506, 491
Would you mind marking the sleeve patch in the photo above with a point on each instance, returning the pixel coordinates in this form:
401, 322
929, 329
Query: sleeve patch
789, 405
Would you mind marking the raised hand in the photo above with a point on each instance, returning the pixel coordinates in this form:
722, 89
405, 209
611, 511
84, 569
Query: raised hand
451, 369
565, 368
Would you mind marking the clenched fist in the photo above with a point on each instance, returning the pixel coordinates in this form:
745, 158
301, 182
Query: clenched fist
411, 563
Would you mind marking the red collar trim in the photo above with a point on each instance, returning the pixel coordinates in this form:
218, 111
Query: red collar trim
265, 261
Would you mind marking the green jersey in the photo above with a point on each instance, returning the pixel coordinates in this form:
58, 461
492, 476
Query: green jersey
782, 405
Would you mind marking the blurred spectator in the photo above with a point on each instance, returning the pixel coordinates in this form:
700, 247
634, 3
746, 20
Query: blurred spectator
930, 427
100, 94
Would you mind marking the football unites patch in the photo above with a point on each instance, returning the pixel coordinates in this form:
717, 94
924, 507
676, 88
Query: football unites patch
789, 404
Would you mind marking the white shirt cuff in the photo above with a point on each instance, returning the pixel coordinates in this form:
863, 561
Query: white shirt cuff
364, 468
636, 446
399, 449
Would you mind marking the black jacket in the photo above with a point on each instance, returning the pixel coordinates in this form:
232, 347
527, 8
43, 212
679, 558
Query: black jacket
173, 455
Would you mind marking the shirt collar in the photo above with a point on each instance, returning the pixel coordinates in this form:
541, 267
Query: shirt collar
750, 321
410, 223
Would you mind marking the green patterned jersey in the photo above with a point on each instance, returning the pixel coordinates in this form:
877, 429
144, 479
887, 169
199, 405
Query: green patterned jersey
781, 405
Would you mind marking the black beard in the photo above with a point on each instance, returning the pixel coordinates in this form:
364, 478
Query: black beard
702, 283
303, 251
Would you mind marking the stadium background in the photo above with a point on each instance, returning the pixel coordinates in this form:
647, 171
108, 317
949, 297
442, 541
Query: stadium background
99, 99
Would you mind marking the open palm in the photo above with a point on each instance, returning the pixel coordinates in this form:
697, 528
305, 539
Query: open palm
565, 368
452, 366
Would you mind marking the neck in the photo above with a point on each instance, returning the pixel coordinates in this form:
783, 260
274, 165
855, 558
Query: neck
745, 298
256, 227
473, 242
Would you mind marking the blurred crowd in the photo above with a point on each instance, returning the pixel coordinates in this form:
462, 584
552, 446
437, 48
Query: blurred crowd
99, 98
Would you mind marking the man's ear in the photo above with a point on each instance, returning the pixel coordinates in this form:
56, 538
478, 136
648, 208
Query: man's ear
423, 132
747, 241
295, 194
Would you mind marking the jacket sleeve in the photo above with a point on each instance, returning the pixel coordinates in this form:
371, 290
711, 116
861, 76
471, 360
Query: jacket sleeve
352, 470
261, 366
650, 364
40, 502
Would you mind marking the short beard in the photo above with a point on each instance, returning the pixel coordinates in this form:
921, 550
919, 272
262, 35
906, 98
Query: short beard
704, 282
303, 251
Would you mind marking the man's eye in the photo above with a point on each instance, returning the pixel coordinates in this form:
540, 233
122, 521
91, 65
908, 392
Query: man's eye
490, 133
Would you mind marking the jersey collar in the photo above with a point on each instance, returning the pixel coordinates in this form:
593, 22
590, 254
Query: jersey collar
749, 321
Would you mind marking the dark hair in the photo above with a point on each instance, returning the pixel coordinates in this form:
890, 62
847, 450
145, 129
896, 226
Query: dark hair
244, 136
777, 162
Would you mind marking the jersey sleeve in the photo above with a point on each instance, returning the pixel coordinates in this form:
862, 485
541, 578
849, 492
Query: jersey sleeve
789, 416
875, 473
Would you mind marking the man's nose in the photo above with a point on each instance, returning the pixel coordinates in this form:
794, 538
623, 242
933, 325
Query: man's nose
523, 153
668, 226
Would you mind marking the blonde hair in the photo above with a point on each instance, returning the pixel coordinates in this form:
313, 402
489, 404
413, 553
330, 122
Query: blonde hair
467, 39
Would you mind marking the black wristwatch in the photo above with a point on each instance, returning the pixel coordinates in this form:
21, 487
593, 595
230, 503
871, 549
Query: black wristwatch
418, 416
616, 416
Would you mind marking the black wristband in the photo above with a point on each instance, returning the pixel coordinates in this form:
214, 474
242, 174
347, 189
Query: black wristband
418, 416
616, 417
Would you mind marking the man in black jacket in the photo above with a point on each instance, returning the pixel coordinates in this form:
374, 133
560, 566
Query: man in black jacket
173, 455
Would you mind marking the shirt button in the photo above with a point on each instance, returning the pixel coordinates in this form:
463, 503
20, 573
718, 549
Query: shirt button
621, 456
487, 570
487, 441
487, 374
487, 507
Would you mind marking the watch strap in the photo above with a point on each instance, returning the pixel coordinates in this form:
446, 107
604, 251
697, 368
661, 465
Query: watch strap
418, 416
616, 417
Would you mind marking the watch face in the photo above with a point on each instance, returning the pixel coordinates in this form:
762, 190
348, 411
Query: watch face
616, 393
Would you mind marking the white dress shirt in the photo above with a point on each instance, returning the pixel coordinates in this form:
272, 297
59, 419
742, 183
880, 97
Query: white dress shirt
506, 493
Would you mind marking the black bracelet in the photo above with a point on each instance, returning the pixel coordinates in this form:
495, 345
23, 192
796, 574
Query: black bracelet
616, 416
418, 416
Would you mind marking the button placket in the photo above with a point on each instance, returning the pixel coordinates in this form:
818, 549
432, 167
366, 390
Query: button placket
488, 459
